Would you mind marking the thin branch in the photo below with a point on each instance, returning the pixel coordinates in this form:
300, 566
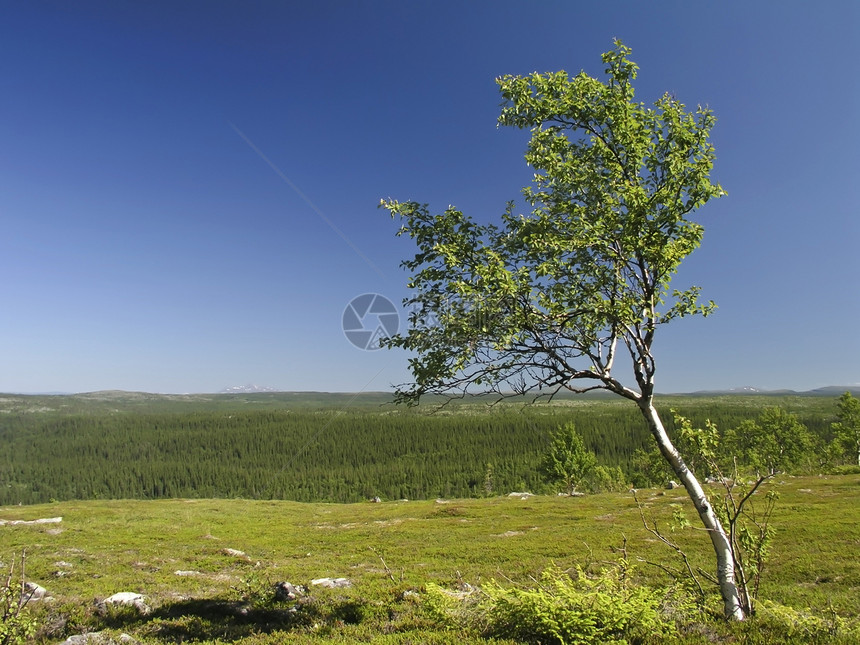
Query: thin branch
382, 560
761, 480
656, 533
672, 573
708, 576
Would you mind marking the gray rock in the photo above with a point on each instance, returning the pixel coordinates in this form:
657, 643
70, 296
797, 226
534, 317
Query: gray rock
725, 481
33, 591
236, 553
127, 599
98, 638
286, 591
331, 583
522, 495
44, 520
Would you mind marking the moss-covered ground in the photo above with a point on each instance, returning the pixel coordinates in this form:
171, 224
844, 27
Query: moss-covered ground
177, 553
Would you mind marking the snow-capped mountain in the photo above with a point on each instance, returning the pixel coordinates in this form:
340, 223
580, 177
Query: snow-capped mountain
247, 389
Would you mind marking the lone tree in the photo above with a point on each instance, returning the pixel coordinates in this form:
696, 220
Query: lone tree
567, 461
547, 301
847, 429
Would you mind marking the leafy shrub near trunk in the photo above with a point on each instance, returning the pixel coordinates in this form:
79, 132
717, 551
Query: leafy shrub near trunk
563, 608
16, 623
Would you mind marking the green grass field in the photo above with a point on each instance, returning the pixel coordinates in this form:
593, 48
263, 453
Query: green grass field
103, 547
185, 555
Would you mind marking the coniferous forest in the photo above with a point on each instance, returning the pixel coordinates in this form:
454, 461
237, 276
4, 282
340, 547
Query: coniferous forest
272, 447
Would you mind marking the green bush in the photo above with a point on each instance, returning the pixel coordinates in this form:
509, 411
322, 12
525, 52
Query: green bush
846, 470
648, 468
16, 623
576, 609
807, 627
607, 479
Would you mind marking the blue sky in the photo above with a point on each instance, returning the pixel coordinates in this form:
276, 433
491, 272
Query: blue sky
189, 190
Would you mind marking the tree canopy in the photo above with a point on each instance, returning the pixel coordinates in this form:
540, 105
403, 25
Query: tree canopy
567, 461
847, 428
775, 442
547, 300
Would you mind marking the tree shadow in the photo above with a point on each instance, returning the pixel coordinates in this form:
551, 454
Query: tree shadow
211, 619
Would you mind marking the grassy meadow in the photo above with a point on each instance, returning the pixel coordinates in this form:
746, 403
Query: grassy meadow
385, 549
203, 503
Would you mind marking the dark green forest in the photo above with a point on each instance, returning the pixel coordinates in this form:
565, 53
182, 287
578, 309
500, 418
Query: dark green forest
277, 448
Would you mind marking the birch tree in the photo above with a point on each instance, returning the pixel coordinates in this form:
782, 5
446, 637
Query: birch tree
548, 301
847, 429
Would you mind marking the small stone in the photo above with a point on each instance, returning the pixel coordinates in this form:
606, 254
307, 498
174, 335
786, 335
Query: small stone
286, 591
331, 583
85, 639
33, 591
128, 599
44, 520
123, 598
236, 553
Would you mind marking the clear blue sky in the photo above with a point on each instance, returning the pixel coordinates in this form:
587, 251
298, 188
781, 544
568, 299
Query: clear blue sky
147, 245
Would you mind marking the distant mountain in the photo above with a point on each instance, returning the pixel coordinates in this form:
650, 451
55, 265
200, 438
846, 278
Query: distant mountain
247, 389
831, 390
836, 390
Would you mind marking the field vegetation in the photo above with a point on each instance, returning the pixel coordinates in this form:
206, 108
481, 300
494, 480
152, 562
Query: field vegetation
176, 553
203, 504
287, 446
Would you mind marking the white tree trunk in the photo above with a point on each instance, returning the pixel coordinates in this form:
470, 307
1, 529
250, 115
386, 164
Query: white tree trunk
722, 547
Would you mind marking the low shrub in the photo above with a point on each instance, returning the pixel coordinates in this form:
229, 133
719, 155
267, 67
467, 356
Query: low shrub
577, 609
16, 623
805, 626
